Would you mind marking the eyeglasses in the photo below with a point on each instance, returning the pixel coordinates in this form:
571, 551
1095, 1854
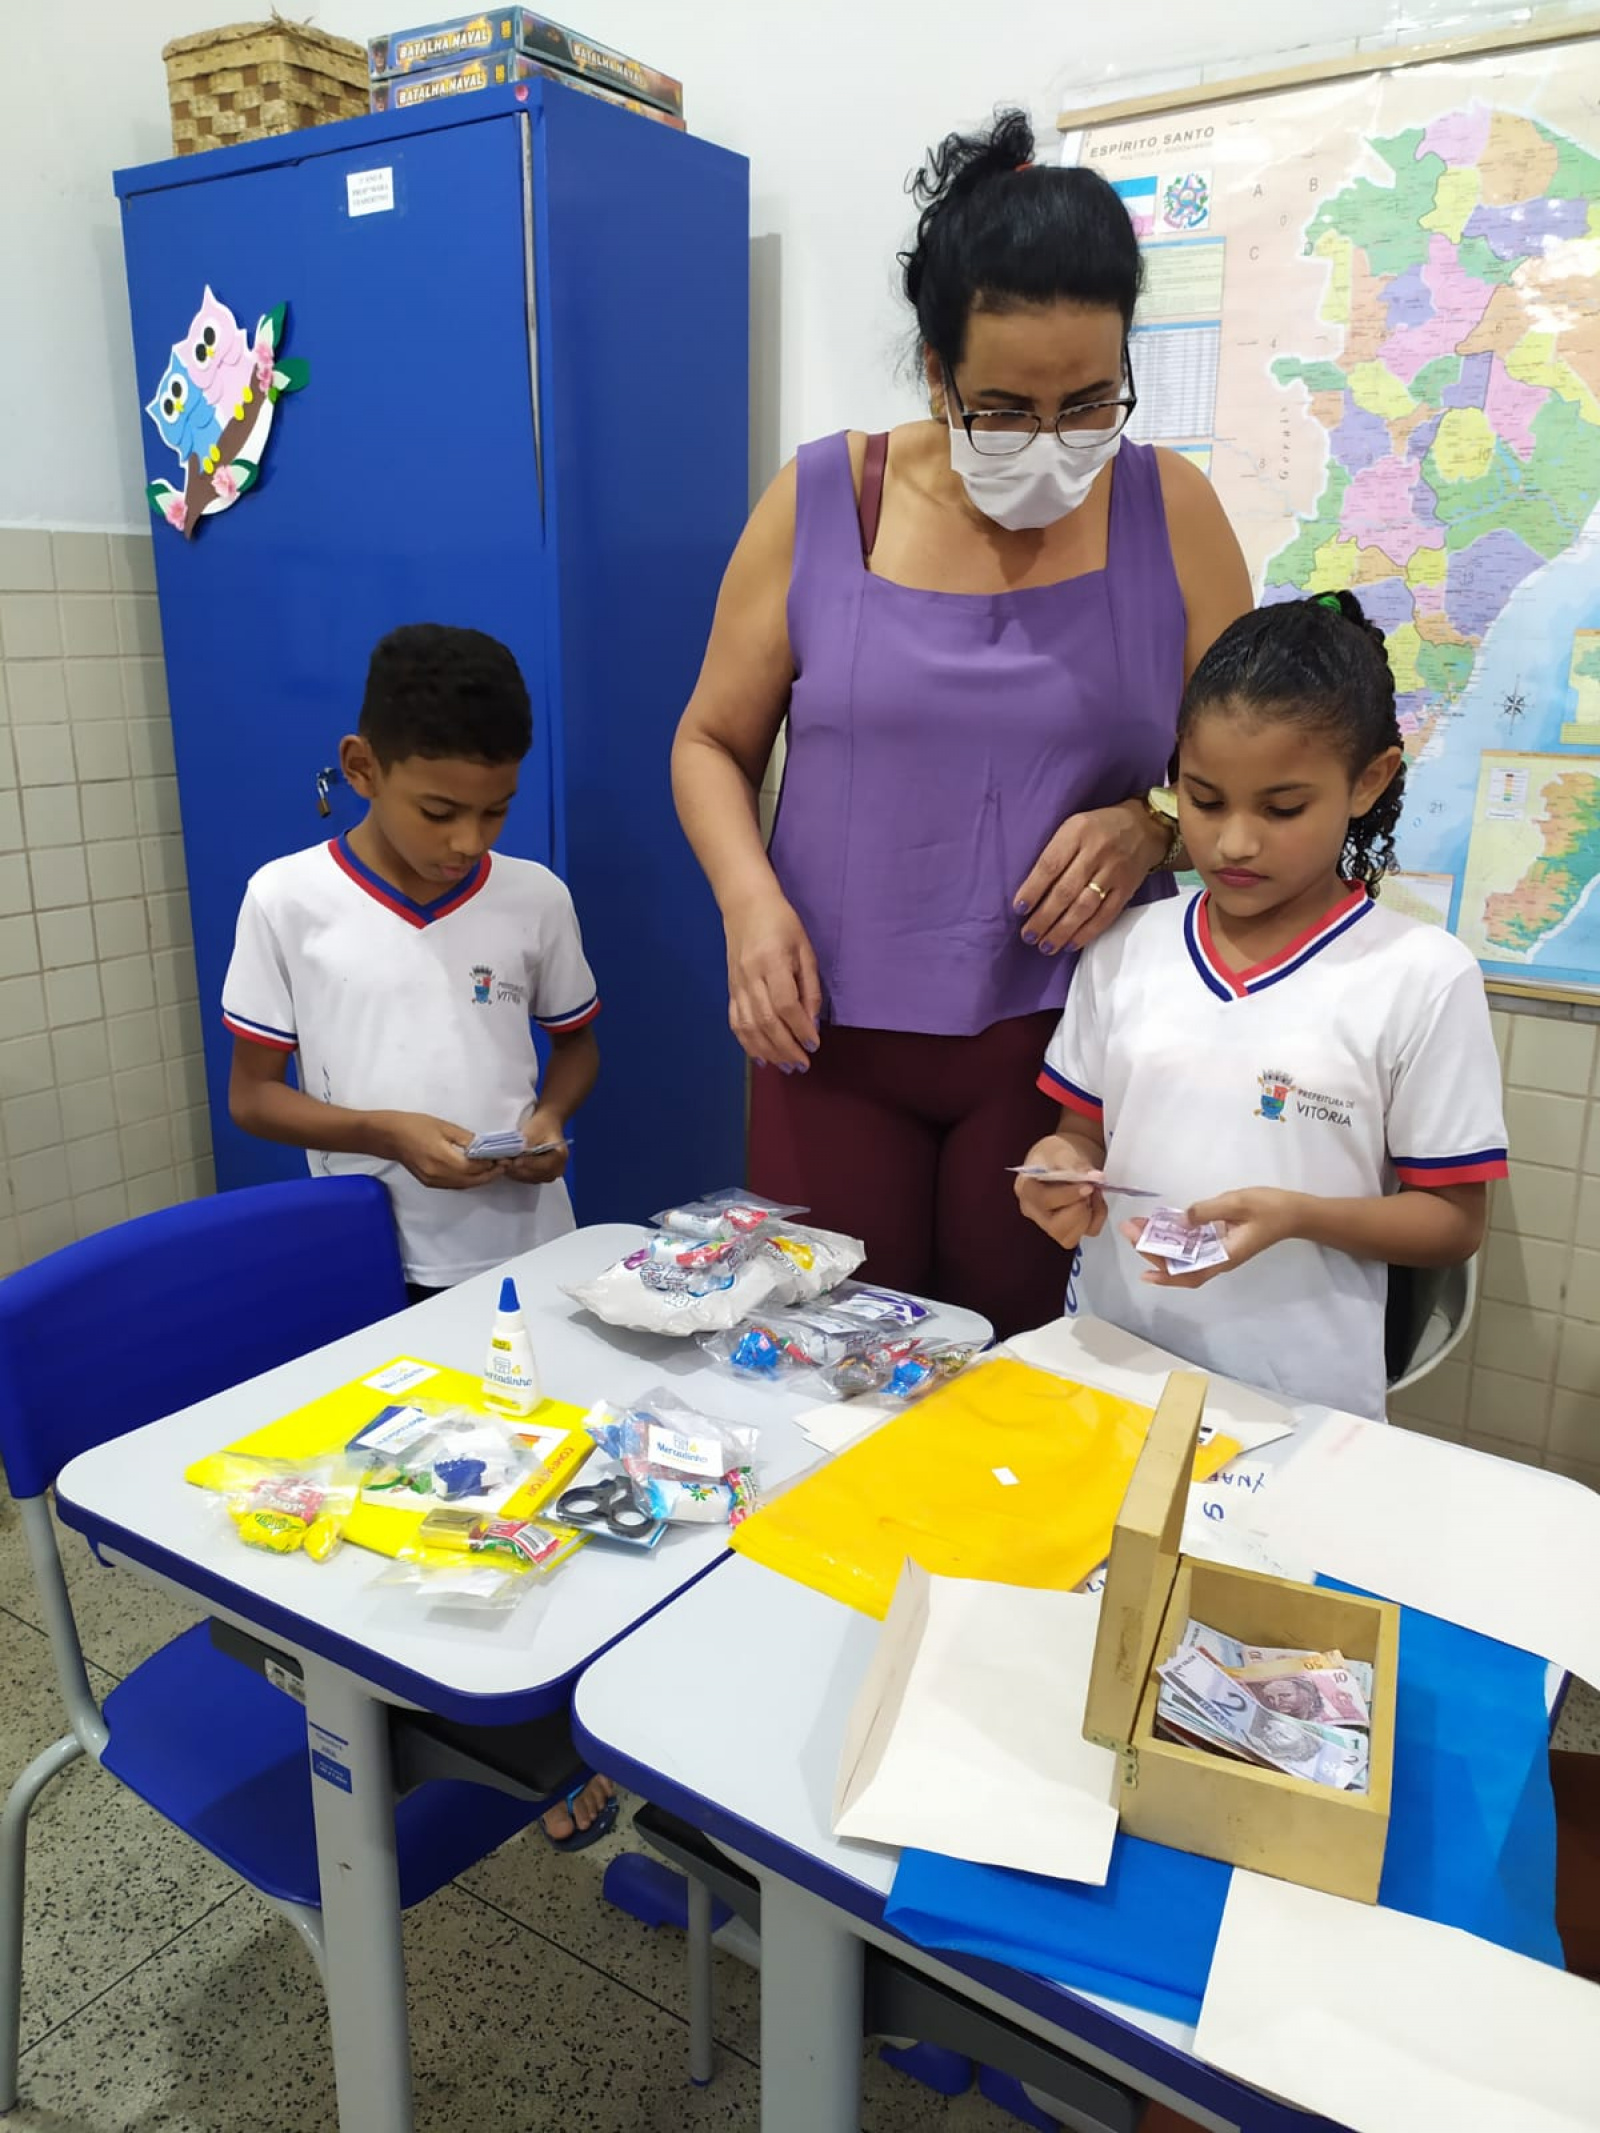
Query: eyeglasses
1000, 431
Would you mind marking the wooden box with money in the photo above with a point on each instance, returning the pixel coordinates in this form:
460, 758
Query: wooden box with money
1253, 1716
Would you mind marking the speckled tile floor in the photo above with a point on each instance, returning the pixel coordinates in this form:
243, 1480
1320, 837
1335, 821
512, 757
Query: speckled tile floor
160, 1994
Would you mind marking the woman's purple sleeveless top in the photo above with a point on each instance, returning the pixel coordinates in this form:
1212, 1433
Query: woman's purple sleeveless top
938, 740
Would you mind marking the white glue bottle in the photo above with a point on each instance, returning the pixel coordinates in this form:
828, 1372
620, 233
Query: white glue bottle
510, 1375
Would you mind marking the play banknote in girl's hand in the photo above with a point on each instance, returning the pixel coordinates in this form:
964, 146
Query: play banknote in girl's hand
1046, 1175
1185, 1247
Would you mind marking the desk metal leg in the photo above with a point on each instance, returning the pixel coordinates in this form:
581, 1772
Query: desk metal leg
702, 1990
352, 1790
811, 1970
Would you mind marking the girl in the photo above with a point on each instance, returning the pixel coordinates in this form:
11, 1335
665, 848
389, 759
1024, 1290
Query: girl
1279, 1054
976, 629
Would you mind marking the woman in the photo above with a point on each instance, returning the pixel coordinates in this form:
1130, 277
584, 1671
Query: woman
979, 638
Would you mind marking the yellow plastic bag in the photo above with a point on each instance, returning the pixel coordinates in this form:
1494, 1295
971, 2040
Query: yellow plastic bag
1008, 1474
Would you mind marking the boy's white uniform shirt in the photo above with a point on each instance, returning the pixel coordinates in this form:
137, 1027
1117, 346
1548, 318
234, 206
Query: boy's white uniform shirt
1359, 1059
397, 1006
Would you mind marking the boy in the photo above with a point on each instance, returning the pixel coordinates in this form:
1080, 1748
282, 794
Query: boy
401, 965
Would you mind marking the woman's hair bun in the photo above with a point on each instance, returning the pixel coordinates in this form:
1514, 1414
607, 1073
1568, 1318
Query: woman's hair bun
962, 160
998, 231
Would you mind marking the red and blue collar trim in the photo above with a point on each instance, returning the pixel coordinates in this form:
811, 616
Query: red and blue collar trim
1229, 984
384, 893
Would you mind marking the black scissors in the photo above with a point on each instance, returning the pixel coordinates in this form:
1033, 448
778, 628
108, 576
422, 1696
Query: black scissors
604, 1503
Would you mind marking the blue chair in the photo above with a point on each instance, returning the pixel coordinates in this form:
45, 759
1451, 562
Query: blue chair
188, 1302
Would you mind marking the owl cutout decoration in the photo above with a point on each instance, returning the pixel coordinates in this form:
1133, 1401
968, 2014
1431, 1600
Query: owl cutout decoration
214, 409
185, 417
219, 358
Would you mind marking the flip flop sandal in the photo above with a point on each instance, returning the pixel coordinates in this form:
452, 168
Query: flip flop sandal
581, 1839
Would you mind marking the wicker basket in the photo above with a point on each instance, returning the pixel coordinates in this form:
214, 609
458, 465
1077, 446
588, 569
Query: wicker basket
260, 78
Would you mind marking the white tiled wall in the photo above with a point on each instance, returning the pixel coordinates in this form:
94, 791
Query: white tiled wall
1526, 1381
102, 1092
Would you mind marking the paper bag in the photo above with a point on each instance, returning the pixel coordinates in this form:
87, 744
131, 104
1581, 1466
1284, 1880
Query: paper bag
967, 1735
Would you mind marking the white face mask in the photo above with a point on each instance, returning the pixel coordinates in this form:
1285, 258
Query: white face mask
1034, 487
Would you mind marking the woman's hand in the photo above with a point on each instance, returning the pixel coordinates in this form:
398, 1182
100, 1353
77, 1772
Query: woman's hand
1249, 1222
774, 992
1086, 874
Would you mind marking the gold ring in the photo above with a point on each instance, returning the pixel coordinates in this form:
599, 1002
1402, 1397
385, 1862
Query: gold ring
1101, 893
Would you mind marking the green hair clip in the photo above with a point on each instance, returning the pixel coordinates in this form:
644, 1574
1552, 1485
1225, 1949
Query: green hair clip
1330, 600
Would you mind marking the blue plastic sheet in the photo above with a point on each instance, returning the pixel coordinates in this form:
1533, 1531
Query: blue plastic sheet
1471, 1843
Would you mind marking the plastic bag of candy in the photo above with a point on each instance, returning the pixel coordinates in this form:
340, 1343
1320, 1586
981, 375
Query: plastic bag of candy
811, 1261
288, 1509
679, 1285
901, 1368
462, 1559
684, 1466
763, 1351
778, 1346
718, 1217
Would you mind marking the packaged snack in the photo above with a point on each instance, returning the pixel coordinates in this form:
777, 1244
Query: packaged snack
733, 1257
811, 1261
684, 1466
780, 1346
286, 1510
761, 1350
475, 1562
717, 1216
678, 1285
900, 1369
700, 1503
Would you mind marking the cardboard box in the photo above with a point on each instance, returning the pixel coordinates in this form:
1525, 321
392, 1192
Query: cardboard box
505, 30
443, 44
543, 39
498, 70
1180, 1796
465, 78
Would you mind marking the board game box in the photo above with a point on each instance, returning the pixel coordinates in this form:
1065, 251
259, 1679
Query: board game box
405, 92
495, 35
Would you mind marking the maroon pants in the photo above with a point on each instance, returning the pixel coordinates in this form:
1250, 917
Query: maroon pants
903, 1140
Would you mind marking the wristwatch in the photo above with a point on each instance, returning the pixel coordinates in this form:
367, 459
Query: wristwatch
1161, 805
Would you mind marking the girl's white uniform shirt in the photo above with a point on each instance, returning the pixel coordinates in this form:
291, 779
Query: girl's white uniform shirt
397, 1006
1359, 1059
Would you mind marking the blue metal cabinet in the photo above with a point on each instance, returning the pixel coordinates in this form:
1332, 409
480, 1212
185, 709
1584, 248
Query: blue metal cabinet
527, 412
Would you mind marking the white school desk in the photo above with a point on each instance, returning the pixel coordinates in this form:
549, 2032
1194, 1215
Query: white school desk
761, 1786
360, 1649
